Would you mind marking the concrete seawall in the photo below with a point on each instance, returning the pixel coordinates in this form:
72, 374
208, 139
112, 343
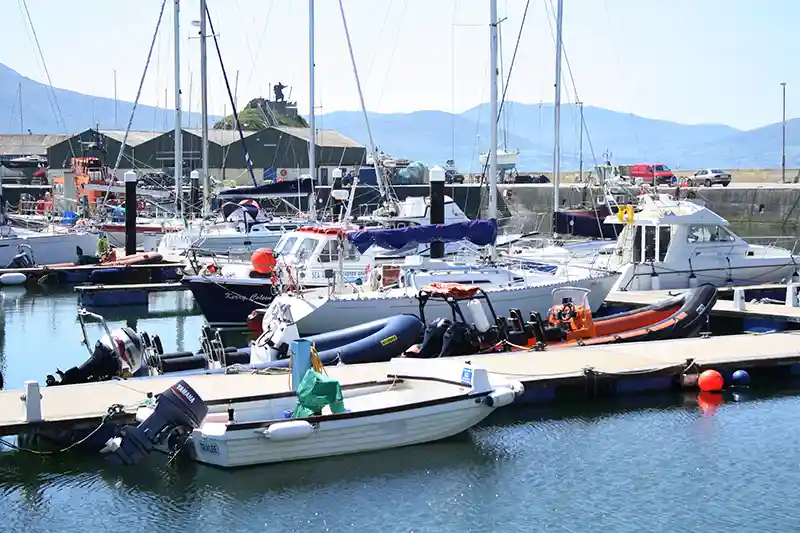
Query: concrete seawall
526, 204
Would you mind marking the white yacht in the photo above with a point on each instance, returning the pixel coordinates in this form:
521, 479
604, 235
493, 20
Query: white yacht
56, 245
672, 244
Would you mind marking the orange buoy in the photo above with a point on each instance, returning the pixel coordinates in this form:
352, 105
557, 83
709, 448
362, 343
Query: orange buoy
263, 261
710, 381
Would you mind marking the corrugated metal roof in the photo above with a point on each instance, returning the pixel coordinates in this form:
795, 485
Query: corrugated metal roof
135, 138
29, 144
330, 138
220, 137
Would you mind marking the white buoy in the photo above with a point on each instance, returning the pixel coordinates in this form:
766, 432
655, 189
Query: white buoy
655, 281
791, 295
738, 299
12, 278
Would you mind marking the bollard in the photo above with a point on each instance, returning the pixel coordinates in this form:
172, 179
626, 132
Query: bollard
738, 299
130, 212
300, 360
33, 402
436, 178
791, 295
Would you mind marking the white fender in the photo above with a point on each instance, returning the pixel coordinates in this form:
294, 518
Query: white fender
292, 430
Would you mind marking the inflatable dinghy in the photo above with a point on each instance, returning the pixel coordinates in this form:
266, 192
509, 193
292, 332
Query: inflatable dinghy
569, 322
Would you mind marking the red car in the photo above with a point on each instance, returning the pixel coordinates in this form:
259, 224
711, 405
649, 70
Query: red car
652, 173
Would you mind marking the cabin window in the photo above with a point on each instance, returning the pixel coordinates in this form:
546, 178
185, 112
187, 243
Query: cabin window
708, 233
664, 236
306, 248
286, 245
330, 254
650, 243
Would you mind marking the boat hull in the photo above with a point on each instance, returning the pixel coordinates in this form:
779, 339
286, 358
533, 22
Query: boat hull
322, 314
344, 436
225, 306
48, 248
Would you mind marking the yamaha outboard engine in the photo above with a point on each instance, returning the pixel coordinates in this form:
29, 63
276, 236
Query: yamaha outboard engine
115, 355
177, 412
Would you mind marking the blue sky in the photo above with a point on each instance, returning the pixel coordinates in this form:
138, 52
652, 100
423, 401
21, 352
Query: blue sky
691, 61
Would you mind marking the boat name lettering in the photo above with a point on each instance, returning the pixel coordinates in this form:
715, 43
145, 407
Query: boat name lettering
209, 448
234, 296
388, 340
185, 393
466, 376
318, 274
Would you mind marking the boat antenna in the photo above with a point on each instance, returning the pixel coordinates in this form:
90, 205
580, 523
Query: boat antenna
247, 159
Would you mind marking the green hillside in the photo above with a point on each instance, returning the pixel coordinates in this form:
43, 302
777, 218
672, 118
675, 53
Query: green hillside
254, 117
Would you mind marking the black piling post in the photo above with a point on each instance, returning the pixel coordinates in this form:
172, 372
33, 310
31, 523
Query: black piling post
436, 178
130, 213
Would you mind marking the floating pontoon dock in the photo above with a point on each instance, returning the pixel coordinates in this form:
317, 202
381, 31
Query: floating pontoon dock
116, 295
547, 375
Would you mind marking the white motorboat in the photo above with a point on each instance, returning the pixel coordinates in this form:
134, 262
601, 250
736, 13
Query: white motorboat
506, 159
420, 401
674, 244
398, 286
56, 245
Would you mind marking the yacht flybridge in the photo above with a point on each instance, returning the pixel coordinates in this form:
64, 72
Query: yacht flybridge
674, 244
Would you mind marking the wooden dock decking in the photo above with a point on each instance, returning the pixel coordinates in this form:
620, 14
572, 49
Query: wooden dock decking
71, 404
721, 308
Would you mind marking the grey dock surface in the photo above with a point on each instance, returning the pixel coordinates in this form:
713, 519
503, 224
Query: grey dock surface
73, 405
721, 308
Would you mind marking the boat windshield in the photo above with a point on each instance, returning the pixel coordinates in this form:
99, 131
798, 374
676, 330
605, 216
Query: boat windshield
577, 295
286, 244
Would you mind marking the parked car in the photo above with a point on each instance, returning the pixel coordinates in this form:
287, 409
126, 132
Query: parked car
710, 176
652, 173
452, 176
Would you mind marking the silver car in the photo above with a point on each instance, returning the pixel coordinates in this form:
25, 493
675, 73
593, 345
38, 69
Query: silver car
710, 176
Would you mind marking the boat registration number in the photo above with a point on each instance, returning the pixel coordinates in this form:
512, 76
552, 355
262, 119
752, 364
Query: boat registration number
209, 448
466, 376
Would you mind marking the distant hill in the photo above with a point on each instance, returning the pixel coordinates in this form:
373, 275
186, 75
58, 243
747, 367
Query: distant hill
435, 136
79, 111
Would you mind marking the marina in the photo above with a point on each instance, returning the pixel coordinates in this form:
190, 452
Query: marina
260, 315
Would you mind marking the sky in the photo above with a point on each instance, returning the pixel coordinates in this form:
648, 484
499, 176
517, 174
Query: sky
689, 61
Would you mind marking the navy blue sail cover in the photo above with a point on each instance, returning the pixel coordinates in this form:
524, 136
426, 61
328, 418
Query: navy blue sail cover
479, 232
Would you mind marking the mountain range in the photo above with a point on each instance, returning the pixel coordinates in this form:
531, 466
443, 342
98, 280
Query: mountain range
435, 136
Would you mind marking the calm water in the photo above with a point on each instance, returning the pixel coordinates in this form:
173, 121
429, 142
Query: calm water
661, 465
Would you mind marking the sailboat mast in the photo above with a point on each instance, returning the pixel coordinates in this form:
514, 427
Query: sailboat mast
312, 138
381, 185
204, 109
178, 128
557, 112
493, 110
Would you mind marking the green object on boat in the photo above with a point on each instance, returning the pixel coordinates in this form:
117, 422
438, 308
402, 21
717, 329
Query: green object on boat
314, 392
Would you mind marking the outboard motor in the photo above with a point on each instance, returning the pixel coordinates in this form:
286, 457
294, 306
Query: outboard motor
23, 259
279, 330
117, 354
178, 410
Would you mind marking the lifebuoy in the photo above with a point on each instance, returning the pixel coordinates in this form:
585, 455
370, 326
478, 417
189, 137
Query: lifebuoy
283, 172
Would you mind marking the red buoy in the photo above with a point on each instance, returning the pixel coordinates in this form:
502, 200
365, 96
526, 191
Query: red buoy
709, 402
263, 261
710, 381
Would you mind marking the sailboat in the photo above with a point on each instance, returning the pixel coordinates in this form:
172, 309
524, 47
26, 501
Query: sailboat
509, 288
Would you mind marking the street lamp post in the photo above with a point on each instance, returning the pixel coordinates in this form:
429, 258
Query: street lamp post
783, 136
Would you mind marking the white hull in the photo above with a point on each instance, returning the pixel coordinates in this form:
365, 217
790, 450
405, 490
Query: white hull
48, 248
323, 314
638, 277
340, 437
233, 243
